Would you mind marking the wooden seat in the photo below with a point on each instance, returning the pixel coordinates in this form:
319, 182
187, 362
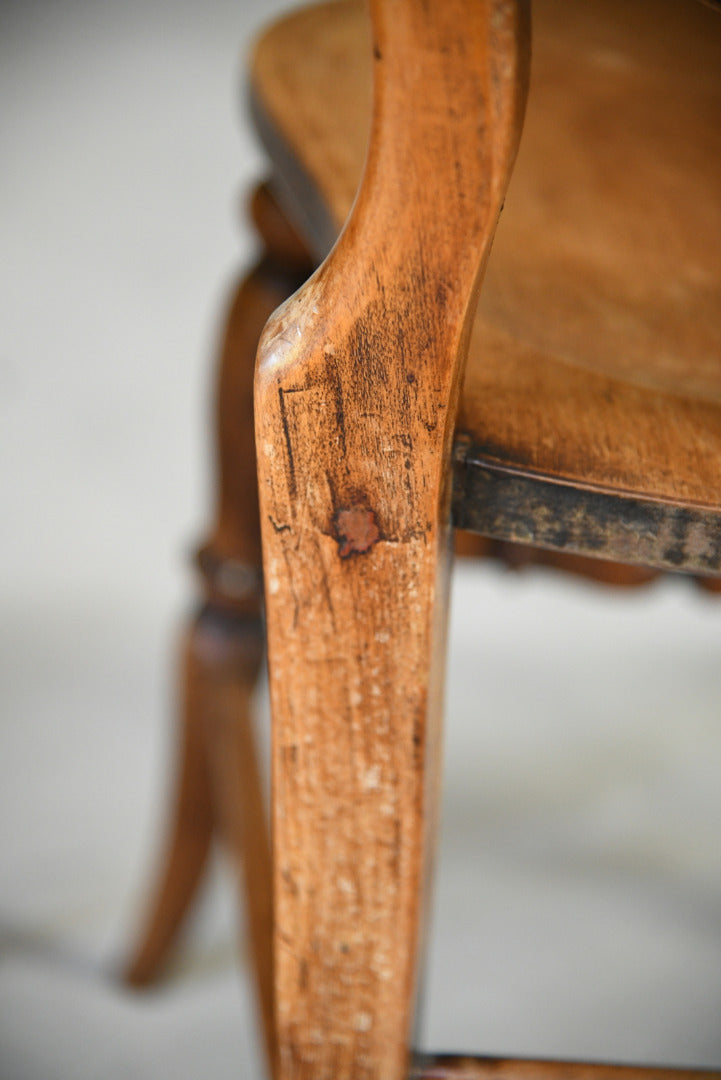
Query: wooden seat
594, 374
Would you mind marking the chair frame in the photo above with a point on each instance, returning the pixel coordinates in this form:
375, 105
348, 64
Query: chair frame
356, 395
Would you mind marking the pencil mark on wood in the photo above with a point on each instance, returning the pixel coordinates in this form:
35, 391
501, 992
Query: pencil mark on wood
288, 446
278, 528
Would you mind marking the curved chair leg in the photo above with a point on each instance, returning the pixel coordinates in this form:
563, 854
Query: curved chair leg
189, 837
233, 647
218, 788
233, 638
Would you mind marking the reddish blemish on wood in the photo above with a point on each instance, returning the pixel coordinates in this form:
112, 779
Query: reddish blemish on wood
356, 530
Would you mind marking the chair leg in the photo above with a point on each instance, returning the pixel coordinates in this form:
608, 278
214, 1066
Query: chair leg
220, 794
233, 648
189, 836
355, 777
356, 601
218, 789
356, 392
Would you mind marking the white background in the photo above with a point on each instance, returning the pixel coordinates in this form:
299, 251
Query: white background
579, 897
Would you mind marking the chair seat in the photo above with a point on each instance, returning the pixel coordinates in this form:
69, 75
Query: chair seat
593, 385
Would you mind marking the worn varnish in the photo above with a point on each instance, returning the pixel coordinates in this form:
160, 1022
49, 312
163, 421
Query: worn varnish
594, 359
356, 394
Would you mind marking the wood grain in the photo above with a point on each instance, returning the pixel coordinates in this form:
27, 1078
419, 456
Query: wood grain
356, 393
594, 359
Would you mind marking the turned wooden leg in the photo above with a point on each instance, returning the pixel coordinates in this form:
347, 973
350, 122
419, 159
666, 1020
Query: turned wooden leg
220, 792
217, 787
189, 835
230, 564
233, 648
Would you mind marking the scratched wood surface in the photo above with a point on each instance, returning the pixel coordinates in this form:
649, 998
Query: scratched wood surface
356, 393
594, 359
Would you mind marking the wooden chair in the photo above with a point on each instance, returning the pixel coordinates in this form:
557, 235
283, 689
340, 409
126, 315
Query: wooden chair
589, 425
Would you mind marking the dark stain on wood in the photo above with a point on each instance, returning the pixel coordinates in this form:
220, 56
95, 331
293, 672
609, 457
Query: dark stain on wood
538, 510
356, 530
